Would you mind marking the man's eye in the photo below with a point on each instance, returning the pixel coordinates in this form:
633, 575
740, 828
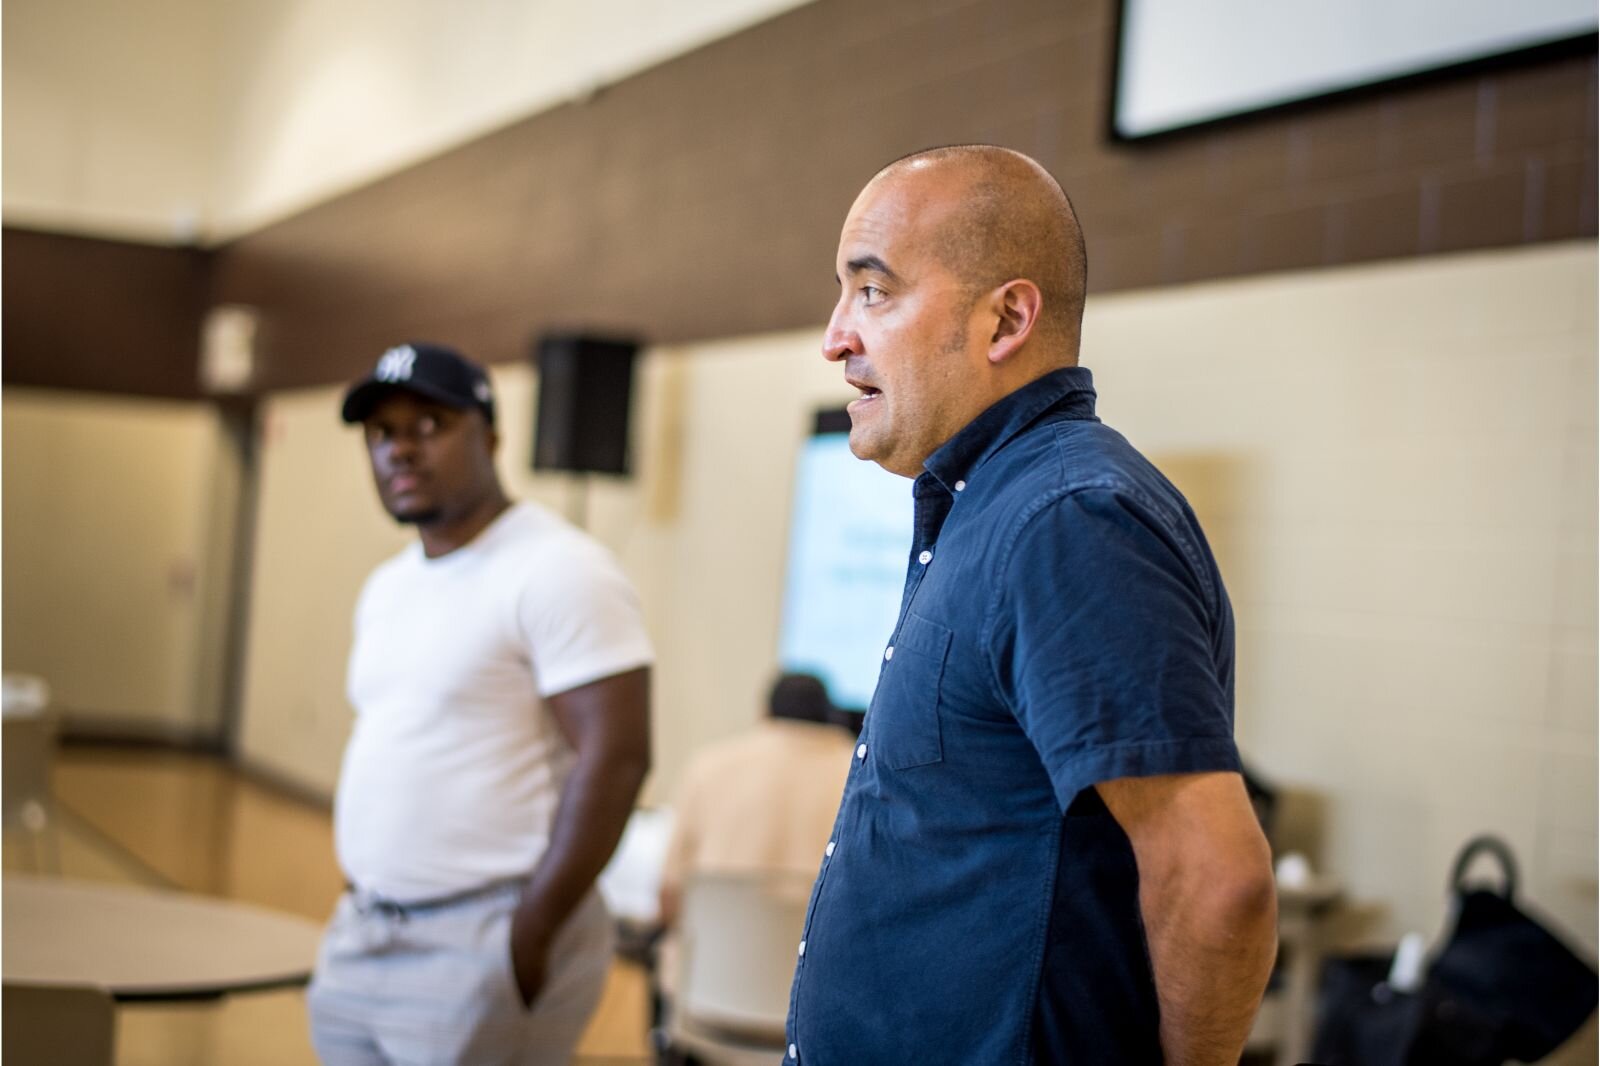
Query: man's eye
427, 426
376, 434
871, 293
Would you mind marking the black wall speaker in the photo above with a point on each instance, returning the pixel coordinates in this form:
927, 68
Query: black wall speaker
585, 389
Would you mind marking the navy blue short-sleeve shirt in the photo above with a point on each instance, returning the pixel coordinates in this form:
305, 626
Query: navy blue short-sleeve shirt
1063, 624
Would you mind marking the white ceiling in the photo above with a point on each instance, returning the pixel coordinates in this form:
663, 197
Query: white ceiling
180, 120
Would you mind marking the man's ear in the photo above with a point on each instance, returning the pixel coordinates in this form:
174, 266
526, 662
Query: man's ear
1016, 306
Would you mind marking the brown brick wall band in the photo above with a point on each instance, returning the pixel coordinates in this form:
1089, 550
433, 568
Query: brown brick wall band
108, 316
702, 198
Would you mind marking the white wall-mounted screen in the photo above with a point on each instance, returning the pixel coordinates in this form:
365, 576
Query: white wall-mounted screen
1182, 63
849, 538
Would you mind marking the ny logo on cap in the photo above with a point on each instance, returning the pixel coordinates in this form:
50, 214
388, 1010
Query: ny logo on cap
396, 364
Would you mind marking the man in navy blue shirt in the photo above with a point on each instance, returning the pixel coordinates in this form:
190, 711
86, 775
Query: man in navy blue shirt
1044, 852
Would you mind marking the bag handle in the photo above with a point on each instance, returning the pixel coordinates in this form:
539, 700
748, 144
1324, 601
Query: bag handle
1493, 845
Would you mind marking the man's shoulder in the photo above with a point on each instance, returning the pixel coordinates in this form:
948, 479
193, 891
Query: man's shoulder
539, 540
771, 740
733, 749
1069, 468
1090, 454
527, 523
1058, 458
397, 568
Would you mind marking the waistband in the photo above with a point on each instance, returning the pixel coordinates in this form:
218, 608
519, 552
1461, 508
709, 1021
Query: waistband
367, 901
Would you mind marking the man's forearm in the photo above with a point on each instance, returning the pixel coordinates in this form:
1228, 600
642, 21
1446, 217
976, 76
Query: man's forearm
1209, 905
589, 820
607, 722
1212, 947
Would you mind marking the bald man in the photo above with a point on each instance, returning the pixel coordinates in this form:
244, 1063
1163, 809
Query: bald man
1044, 852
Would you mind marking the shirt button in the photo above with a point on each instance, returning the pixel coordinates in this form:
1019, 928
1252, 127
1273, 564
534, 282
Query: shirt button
802, 949
888, 653
829, 852
925, 558
861, 751
794, 1053
960, 485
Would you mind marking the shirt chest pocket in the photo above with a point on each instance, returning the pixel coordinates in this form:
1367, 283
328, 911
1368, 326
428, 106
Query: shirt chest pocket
906, 706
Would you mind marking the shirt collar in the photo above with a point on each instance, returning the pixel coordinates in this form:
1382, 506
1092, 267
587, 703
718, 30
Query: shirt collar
1070, 388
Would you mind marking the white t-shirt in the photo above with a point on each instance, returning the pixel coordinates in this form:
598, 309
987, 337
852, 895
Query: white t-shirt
455, 766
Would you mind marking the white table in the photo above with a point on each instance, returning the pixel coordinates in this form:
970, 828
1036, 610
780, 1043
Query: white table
148, 944
1301, 911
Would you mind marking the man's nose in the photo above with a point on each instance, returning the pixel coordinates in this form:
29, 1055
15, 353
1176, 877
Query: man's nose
401, 448
840, 340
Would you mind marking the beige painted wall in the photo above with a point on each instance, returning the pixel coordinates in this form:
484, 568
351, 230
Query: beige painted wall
1397, 467
1397, 464
171, 119
111, 541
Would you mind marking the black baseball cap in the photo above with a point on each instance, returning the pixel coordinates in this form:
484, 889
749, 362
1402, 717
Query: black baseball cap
441, 374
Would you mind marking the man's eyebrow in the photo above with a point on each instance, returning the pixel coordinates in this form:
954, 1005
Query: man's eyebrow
874, 264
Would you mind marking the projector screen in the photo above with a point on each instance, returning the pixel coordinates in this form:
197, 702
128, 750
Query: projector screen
849, 538
1181, 63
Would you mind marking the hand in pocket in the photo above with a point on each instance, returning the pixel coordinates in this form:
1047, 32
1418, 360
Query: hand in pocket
529, 968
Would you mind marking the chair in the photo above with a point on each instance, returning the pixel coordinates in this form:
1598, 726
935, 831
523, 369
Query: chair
738, 935
49, 1025
27, 748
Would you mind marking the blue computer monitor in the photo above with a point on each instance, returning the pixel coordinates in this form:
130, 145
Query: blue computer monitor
849, 537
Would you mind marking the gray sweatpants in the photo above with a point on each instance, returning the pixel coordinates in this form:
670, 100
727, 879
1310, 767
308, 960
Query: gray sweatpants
435, 987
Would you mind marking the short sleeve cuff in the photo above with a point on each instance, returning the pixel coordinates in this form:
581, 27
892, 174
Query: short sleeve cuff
1197, 756
577, 673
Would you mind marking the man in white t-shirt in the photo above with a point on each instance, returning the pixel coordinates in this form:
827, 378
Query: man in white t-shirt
500, 676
